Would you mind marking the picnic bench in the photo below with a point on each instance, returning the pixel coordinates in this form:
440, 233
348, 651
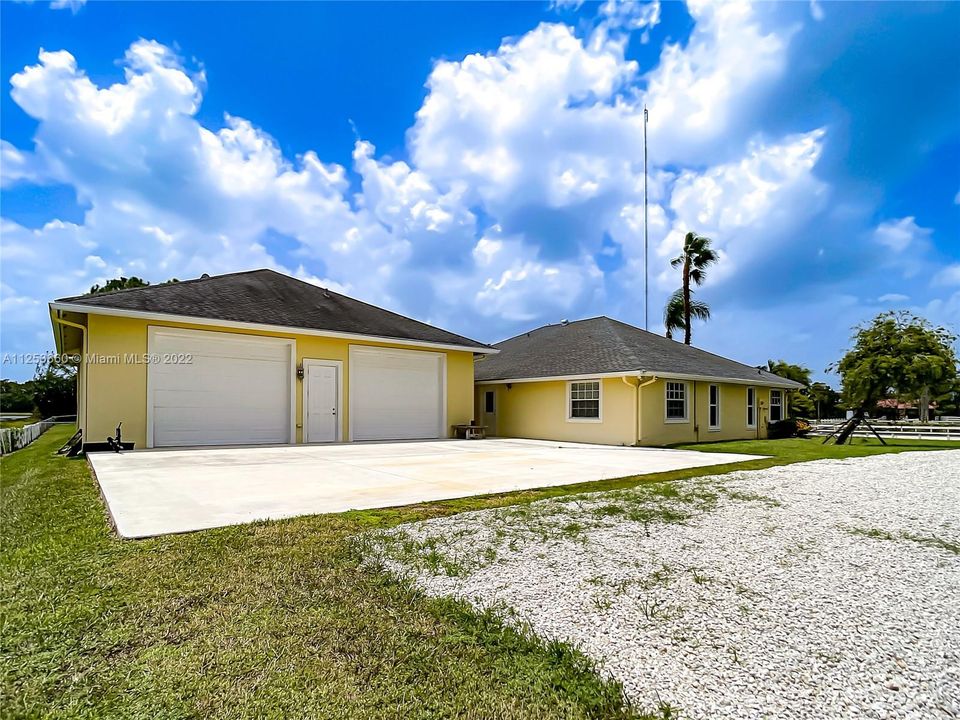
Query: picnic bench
470, 432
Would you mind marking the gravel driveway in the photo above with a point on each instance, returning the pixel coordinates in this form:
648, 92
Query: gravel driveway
828, 589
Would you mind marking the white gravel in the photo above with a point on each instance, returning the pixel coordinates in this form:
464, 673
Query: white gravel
828, 589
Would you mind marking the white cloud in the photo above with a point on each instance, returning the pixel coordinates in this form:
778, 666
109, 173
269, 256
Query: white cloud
703, 93
893, 298
524, 172
71, 5
816, 10
626, 15
898, 235
747, 205
949, 275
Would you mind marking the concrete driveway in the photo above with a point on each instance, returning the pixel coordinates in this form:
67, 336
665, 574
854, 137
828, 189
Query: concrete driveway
155, 492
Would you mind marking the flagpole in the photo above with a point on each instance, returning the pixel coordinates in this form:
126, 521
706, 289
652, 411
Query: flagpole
646, 287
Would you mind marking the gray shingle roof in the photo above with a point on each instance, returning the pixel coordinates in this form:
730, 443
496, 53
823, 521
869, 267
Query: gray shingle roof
270, 298
601, 345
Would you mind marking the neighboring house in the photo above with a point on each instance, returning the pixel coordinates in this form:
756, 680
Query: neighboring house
893, 409
258, 357
603, 381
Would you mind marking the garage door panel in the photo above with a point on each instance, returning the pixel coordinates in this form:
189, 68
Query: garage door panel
229, 391
396, 395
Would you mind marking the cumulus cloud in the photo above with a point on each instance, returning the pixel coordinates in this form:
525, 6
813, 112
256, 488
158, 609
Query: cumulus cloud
747, 206
523, 177
701, 92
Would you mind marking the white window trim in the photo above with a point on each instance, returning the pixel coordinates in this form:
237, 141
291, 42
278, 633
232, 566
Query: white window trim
713, 428
338, 364
599, 418
752, 425
686, 402
781, 405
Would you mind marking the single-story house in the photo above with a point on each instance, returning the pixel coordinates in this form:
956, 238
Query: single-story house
258, 357
604, 381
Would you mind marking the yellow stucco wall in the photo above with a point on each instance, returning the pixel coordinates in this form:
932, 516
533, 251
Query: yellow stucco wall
118, 391
539, 410
655, 430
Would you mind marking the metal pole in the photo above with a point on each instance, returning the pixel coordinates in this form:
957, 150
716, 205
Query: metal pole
646, 274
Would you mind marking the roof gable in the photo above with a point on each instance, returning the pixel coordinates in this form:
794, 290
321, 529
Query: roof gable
267, 297
600, 346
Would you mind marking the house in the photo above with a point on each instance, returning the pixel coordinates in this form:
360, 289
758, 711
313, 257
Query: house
603, 381
258, 357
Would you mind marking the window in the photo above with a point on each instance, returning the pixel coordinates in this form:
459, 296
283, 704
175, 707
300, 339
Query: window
676, 402
584, 401
714, 407
776, 405
751, 407
488, 401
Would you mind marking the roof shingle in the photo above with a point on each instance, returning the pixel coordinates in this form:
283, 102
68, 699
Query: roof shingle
270, 298
600, 346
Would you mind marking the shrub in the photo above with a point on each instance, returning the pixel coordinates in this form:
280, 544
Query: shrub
792, 427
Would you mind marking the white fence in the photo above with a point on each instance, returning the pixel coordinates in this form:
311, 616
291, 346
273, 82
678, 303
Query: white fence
895, 429
17, 437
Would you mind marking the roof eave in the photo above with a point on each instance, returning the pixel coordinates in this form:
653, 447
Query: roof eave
238, 325
667, 374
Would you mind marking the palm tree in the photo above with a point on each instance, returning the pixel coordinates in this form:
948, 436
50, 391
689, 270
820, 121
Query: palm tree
696, 257
673, 312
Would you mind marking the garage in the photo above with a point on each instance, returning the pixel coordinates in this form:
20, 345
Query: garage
213, 388
397, 394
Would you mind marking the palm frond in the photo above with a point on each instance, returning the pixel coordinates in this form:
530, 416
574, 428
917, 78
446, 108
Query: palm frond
673, 313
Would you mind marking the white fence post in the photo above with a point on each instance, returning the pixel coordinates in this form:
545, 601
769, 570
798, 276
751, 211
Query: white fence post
15, 438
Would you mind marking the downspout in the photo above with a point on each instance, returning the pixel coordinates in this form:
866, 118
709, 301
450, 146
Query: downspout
636, 404
83, 349
696, 425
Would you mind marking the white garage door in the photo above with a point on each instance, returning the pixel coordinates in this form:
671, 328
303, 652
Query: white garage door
396, 394
209, 388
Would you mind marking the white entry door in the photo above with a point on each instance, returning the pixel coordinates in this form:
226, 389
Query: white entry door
321, 401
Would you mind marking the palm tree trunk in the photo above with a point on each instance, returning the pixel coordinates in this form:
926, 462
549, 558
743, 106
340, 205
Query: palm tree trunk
686, 300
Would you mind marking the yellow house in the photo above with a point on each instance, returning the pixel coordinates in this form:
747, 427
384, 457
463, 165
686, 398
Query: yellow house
258, 357
604, 381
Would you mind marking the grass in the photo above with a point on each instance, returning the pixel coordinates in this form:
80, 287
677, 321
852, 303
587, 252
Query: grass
19, 423
273, 619
928, 540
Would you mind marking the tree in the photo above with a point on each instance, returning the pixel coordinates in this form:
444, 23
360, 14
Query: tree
124, 283
798, 401
696, 257
825, 399
673, 317
55, 387
899, 354
15, 396
120, 283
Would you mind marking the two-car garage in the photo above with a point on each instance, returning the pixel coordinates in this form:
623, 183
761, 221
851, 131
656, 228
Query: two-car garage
217, 388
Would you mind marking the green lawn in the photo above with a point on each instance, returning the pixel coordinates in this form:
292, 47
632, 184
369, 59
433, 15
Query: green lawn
19, 423
274, 619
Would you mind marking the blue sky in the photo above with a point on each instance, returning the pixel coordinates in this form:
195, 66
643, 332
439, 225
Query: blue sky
479, 165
